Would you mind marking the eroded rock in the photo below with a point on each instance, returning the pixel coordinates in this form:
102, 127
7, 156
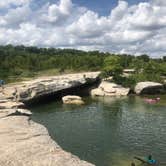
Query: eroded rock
24, 142
7, 104
110, 89
148, 88
29, 90
70, 99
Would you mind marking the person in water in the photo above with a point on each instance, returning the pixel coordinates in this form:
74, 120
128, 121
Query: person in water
150, 160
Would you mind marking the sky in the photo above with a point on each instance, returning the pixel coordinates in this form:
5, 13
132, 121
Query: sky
119, 26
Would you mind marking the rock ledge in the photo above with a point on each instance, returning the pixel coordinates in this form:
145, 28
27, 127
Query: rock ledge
24, 142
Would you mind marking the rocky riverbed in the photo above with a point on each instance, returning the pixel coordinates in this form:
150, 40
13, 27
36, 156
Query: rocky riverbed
24, 142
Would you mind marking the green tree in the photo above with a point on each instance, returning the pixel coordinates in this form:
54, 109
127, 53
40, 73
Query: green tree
112, 66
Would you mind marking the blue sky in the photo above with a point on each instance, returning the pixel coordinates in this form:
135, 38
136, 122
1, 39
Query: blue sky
120, 26
102, 7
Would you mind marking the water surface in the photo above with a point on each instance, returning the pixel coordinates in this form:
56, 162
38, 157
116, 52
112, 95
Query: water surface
107, 131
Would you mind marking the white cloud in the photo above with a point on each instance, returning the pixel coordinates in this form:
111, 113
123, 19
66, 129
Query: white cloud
16, 16
88, 25
119, 12
159, 2
148, 17
139, 28
8, 3
58, 13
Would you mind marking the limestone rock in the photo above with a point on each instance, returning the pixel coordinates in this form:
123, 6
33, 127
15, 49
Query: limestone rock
29, 90
97, 92
26, 143
72, 100
9, 92
14, 112
7, 104
110, 89
148, 88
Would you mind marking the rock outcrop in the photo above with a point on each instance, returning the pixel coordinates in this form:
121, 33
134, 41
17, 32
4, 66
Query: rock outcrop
72, 100
148, 88
24, 142
110, 89
29, 90
7, 104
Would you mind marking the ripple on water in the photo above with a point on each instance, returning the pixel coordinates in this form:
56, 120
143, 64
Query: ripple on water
107, 131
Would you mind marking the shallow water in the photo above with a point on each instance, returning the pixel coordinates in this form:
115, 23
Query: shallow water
107, 131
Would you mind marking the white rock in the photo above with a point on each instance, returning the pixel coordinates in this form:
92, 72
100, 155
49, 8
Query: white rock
29, 90
7, 112
71, 99
97, 92
110, 89
26, 143
11, 104
149, 87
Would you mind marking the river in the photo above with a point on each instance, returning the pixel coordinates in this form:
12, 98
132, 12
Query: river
107, 131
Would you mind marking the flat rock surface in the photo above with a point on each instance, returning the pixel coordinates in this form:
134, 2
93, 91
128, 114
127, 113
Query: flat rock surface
26, 143
11, 112
10, 104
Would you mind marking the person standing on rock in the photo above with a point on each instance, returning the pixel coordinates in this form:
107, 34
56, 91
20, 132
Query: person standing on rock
2, 82
15, 94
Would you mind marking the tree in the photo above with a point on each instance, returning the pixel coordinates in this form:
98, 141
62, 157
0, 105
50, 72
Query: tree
144, 57
164, 58
112, 66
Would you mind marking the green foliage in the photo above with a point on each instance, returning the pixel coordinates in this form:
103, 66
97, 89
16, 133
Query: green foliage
144, 58
21, 61
112, 66
126, 81
17, 62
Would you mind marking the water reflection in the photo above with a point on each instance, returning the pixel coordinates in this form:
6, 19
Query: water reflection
107, 131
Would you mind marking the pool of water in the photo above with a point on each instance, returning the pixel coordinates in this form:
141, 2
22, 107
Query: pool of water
107, 131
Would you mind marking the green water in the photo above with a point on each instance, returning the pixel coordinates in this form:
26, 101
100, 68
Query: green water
107, 131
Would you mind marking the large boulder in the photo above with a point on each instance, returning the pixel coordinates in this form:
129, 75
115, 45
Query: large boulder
148, 88
110, 89
72, 100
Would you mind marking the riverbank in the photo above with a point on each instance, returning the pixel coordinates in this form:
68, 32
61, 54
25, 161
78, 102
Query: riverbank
24, 142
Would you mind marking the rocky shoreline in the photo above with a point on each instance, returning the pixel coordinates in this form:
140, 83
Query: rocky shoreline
24, 142
107, 88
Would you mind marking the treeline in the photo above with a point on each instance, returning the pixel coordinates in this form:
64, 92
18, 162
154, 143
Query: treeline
21, 61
